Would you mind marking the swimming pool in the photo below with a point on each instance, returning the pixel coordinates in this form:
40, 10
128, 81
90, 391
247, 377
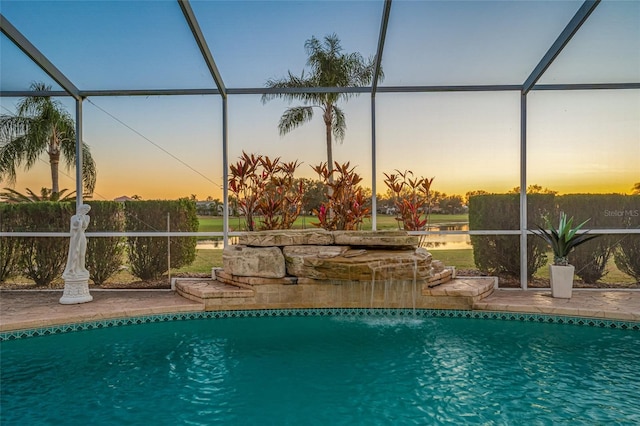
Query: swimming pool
324, 370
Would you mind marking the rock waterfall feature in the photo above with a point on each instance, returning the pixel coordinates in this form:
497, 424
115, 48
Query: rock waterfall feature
338, 269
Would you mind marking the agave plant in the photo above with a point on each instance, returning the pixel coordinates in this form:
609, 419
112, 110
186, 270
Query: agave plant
564, 239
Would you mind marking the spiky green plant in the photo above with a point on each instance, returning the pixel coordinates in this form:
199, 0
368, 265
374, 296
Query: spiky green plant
564, 239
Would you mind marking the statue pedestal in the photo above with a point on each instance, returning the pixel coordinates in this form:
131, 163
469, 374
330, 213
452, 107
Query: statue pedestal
76, 290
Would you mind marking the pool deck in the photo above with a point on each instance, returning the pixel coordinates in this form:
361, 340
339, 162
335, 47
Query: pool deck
29, 309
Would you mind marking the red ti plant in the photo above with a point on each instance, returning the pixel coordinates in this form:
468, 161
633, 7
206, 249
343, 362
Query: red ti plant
281, 200
412, 199
346, 206
268, 189
292, 193
246, 185
269, 206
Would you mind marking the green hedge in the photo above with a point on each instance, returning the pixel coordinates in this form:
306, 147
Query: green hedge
9, 246
500, 254
105, 254
148, 255
627, 254
42, 259
590, 259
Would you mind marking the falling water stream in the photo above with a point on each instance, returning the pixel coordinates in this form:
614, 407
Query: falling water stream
388, 282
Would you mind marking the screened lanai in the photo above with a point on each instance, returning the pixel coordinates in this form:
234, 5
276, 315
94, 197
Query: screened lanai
484, 96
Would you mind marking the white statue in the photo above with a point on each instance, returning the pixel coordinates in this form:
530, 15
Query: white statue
78, 244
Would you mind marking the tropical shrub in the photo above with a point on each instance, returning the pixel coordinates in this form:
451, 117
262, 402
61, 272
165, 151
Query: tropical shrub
411, 198
148, 255
105, 254
266, 188
281, 200
346, 205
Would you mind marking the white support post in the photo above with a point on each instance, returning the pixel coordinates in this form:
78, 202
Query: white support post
169, 246
225, 175
76, 275
374, 204
523, 191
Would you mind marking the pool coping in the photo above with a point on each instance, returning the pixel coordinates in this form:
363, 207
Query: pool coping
31, 313
406, 314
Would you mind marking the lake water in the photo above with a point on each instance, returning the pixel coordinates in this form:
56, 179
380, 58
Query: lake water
443, 241
448, 241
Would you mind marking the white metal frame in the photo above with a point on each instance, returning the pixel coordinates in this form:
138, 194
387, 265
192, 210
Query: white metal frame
70, 89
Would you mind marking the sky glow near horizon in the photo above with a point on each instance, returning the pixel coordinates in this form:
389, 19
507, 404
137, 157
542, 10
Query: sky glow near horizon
577, 141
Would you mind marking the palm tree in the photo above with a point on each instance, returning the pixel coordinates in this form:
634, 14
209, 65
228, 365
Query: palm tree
329, 67
636, 188
41, 125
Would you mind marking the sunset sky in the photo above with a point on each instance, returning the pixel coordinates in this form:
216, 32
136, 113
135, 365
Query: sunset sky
168, 147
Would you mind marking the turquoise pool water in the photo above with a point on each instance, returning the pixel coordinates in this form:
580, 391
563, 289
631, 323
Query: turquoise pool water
324, 371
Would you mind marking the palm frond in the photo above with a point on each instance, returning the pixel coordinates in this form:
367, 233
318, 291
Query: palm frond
45, 195
15, 196
338, 123
13, 153
292, 82
294, 117
89, 171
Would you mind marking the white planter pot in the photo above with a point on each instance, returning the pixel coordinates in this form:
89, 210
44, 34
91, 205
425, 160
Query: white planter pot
561, 280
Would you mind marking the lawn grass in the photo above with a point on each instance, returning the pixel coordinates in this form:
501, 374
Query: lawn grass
461, 259
214, 223
205, 260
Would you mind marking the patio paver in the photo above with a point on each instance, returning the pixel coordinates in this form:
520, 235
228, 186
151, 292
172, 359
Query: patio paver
36, 309
606, 304
25, 309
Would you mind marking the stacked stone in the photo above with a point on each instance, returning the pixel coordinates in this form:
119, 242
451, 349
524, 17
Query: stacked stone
298, 255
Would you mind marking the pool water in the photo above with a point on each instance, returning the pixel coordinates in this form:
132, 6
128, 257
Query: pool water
324, 371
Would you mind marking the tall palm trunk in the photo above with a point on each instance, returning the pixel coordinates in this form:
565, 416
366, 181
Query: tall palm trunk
54, 161
328, 129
